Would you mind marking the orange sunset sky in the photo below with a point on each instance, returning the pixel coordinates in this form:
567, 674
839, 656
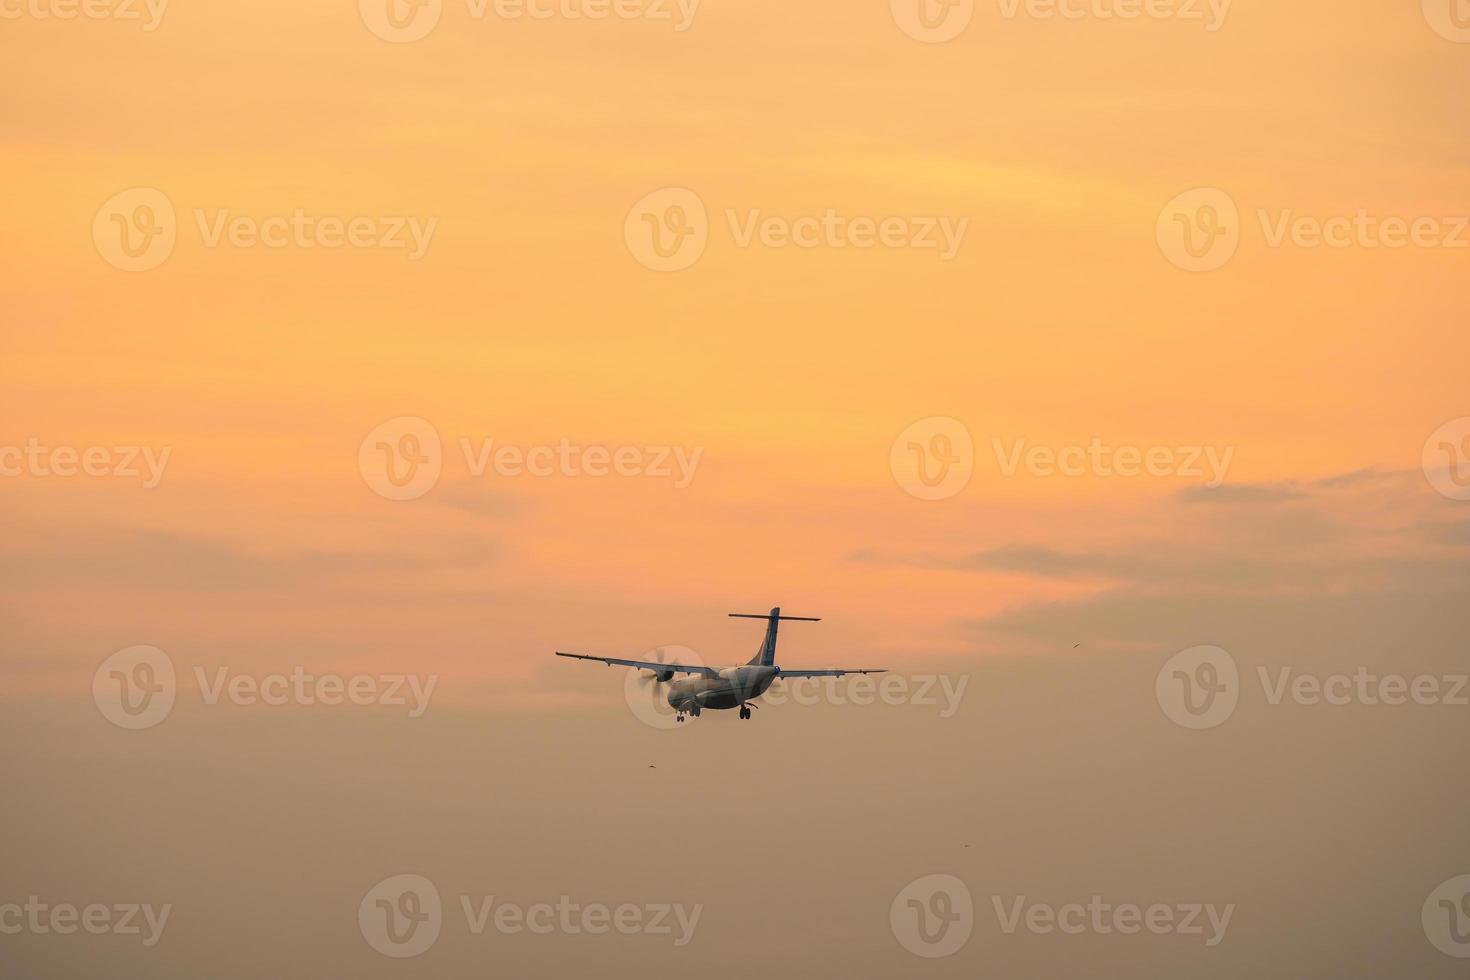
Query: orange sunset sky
537, 157
529, 321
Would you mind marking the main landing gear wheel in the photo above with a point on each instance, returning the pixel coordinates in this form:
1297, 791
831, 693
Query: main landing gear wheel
744, 712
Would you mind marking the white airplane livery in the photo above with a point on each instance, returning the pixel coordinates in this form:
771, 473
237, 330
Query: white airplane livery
722, 688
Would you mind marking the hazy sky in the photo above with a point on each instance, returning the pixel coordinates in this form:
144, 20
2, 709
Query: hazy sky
260, 259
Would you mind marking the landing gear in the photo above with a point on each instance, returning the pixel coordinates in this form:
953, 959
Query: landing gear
744, 712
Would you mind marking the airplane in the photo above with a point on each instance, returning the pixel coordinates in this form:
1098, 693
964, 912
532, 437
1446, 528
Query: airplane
722, 688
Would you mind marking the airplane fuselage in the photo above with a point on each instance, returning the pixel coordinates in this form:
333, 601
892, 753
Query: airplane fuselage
731, 689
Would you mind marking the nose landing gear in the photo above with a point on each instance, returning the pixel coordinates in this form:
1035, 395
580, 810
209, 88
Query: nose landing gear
744, 712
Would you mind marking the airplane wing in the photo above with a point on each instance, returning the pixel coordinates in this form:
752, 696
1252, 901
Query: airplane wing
652, 665
831, 673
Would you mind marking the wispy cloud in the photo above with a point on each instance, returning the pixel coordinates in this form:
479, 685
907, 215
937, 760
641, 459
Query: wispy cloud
1286, 490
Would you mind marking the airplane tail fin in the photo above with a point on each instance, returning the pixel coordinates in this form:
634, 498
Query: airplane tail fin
766, 656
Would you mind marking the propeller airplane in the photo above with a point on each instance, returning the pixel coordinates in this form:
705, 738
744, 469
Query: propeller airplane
723, 688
